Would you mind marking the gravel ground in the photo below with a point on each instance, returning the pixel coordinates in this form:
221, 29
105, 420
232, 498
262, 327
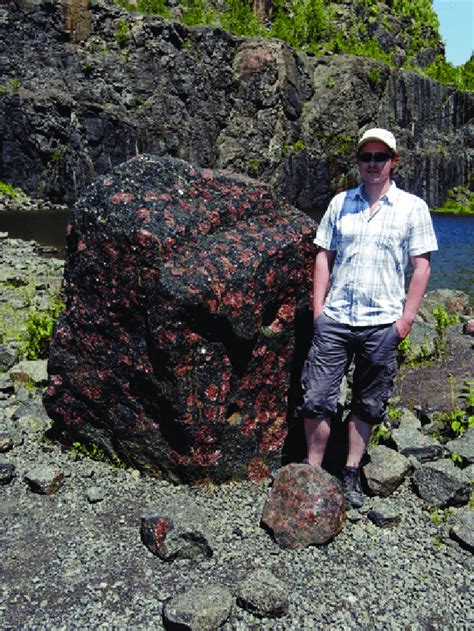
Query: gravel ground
67, 563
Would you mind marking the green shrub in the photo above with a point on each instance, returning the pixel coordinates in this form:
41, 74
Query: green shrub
374, 76
254, 166
9, 88
462, 77
58, 154
152, 7
419, 10
457, 421
196, 12
87, 69
379, 433
97, 453
156, 7
122, 34
355, 46
443, 320
344, 144
393, 413
294, 148
422, 26
9, 190
239, 18
460, 418
40, 326
414, 355
306, 26
299, 146
440, 516
467, 77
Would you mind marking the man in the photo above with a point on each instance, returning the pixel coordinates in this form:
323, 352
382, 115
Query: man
360, 310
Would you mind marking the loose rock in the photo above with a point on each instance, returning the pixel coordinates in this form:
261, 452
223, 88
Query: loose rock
468, 328
6, 384
385, 471
411, 442
263, 594
422, 336
199, 609
452, 300
442, 484
409, 420
8, 356
7, 473
95, 494
33, 372
384, 513
183, 287
305, 507
463, 530
45, 479
463, 446
6, 442
177, 531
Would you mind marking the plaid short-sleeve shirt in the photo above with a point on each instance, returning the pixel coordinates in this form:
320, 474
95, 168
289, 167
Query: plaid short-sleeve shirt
367, 284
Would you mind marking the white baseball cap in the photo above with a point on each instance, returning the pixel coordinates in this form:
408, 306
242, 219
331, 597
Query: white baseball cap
383, 135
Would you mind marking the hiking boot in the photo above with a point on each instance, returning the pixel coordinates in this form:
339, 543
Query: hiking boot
352, 487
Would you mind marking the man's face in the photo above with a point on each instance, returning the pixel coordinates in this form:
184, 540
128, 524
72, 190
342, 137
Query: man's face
376, 172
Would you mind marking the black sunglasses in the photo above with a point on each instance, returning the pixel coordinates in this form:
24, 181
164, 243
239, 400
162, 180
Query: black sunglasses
378, 156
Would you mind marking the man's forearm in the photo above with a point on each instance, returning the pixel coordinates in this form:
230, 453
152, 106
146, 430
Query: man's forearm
321, 275
416, 291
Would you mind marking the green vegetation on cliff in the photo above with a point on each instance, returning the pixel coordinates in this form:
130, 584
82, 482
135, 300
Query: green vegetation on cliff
401, 33
307, 24
9, 190
460, 76
460, 201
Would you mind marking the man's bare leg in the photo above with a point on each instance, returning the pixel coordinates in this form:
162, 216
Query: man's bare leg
317, 436
359, 435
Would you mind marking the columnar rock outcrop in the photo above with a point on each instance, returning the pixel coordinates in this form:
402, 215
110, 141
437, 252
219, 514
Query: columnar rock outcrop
85, 86
175, 349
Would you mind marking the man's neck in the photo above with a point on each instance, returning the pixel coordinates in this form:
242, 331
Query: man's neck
374, 192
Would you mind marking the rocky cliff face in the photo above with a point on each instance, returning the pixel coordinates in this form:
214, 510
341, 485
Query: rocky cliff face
85, 85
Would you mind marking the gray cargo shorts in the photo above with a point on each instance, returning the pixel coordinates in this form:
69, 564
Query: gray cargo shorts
334, 345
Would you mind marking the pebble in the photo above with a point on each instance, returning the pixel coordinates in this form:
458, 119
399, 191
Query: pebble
44, 479
7, 473
384, 513
6, 442
95, 495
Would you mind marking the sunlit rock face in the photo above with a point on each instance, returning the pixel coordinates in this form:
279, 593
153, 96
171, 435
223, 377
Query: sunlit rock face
176, 348
87, 85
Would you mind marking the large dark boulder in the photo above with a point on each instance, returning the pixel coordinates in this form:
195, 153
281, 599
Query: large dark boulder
175, 350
